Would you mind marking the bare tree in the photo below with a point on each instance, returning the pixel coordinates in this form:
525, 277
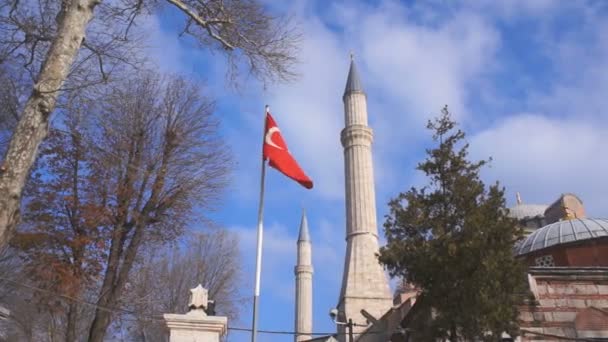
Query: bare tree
48, 37
161, 281
16, 326
161, 158
35, 313
59, 236
103, 189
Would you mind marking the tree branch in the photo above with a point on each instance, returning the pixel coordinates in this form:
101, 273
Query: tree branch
204, 23
104, 76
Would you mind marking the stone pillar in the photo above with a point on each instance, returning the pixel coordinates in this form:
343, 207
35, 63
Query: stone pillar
196, 325
364, 284
303, 272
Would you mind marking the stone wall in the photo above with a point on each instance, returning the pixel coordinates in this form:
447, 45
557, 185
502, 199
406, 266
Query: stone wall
568, 302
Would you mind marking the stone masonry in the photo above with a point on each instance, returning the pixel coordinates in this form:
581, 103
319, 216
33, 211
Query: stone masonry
196, 325
568, 302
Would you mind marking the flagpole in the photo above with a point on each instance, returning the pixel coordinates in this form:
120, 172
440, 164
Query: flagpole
258, 259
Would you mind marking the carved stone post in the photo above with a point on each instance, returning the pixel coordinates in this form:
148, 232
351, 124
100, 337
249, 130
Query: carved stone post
196, 325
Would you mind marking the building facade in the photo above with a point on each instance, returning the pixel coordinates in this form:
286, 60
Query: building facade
567, 276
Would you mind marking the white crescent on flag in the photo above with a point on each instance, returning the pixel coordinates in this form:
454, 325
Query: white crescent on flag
268, 137
277, 154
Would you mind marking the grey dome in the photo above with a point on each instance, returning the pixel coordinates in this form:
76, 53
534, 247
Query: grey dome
522, 211
563, 232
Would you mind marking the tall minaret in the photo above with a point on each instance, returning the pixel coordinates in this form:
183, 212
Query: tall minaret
364, 284
303, 272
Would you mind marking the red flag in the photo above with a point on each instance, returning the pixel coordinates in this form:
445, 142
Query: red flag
275, 150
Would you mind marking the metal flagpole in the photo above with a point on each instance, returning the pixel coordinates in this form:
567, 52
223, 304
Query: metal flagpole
258, 259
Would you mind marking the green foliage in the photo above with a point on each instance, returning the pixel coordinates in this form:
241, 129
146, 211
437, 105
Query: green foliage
453, 240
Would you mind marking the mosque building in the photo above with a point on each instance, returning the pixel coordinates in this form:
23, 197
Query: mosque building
566, 254
567, 262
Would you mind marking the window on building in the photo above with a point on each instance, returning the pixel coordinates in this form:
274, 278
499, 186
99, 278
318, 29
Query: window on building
545, 261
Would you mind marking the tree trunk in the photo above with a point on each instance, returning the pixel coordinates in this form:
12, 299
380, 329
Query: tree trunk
70, 334
116, 273
33, 124
112, 290
119, 237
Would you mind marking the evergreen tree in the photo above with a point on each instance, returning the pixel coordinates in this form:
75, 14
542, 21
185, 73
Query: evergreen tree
453, 241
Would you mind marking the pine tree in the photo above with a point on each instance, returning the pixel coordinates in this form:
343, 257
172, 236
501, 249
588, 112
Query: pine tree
453, 240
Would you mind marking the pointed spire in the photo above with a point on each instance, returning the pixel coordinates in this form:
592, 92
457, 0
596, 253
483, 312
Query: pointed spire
304, 235
353, 83
518, 198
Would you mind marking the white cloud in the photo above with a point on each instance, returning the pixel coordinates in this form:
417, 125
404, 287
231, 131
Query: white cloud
309, 111
412, 69
580, 60
558, 146
279, 255
162, 48
421, 68
542, 158
514, 8
413, 60
277, 259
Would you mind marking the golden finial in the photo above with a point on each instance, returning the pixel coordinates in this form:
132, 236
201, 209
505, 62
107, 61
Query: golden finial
569, 214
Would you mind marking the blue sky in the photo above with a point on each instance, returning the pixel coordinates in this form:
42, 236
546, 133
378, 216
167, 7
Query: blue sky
526, 79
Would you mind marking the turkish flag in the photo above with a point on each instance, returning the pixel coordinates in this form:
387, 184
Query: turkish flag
278, 156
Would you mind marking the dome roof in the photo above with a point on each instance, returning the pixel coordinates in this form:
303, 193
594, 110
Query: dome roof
521, 211
563, 232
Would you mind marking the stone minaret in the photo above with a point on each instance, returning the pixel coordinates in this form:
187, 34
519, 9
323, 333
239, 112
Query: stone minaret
303, 272
364, 284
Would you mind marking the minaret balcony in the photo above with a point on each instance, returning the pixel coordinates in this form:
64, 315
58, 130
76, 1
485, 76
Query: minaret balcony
356, 135
302, 269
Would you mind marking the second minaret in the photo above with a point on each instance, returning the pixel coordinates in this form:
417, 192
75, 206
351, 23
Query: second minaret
364, 284
303, 273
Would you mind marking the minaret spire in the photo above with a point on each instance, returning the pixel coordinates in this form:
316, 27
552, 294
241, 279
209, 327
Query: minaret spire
303, 272
304, 234
353, 82
518, 198
364, 284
